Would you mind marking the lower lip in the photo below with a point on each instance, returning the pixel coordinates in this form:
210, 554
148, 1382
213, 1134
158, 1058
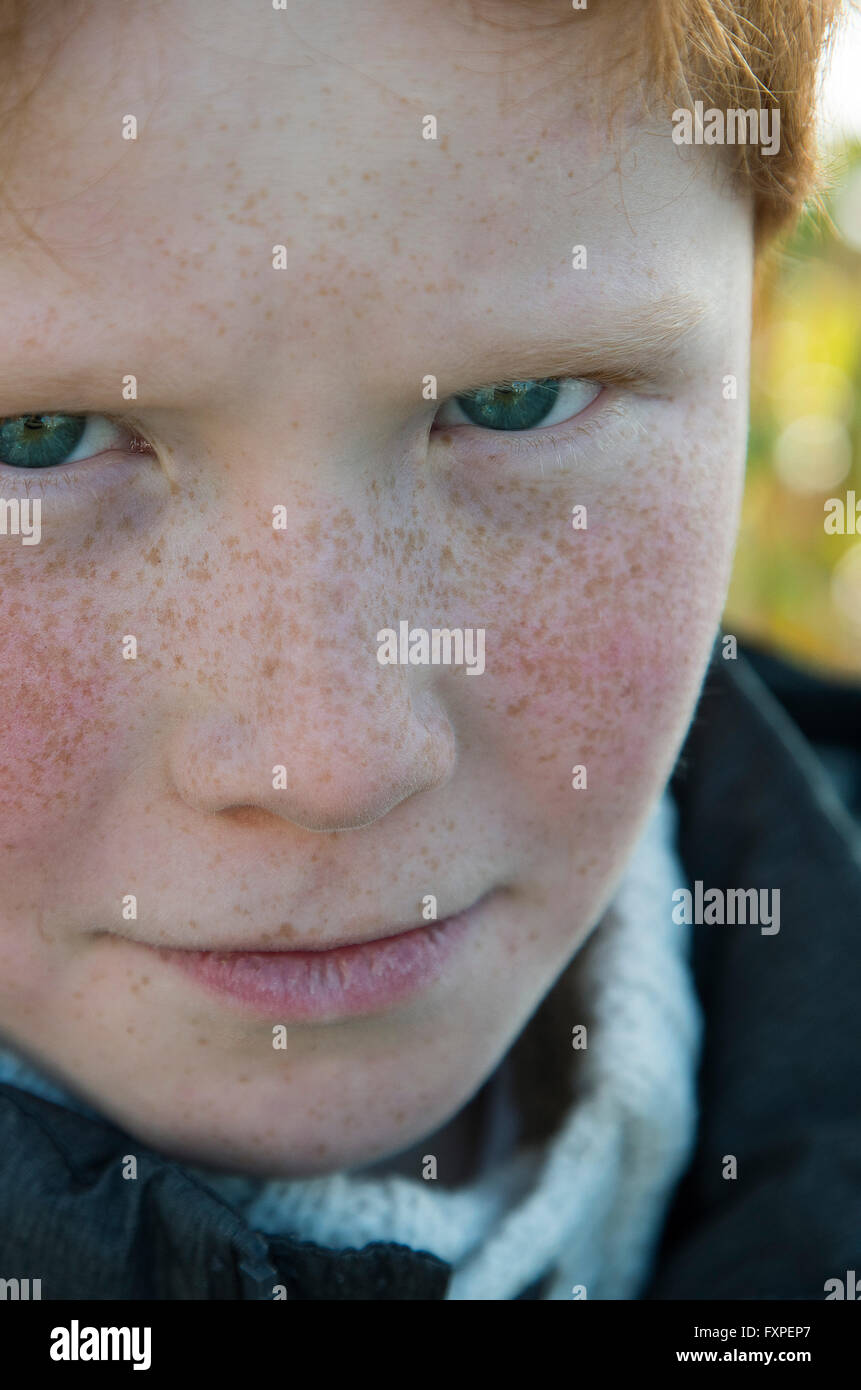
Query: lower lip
318, 986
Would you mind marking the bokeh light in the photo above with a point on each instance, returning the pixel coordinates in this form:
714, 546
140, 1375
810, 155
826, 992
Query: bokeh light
796, 588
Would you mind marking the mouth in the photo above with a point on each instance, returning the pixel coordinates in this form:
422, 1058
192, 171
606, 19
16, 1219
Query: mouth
326, 983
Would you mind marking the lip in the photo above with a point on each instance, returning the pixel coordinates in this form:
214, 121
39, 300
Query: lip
341, 981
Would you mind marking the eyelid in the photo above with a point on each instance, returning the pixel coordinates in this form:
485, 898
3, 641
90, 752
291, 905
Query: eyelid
632, 378
509, 383
133, 425
73, 474
566, 387
555, 449
76, 478
118, 417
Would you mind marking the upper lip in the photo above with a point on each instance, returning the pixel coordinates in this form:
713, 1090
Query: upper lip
294, 944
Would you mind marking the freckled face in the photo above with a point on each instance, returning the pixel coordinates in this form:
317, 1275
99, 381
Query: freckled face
302, 388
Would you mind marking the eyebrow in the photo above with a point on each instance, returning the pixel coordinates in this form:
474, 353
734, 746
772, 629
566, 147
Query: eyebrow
645, 341
637, 342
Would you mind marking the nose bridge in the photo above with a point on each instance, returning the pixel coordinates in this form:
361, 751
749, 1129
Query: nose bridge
310, 596
299, 716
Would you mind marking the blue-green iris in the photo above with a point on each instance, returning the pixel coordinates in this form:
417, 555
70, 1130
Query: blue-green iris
39, 441
520, 405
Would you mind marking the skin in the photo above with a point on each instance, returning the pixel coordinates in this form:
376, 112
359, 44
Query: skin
256, 647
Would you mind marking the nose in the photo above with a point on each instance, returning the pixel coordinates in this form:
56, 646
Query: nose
338, 760
298, 718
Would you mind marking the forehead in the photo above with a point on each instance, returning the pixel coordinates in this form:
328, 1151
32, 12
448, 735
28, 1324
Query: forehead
303, 128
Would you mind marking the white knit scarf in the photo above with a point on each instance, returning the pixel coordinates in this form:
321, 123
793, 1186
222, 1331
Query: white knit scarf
584, 1208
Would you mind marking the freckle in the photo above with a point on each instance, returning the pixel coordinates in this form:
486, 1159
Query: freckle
203, 1042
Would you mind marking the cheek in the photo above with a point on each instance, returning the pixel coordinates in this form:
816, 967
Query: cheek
58, 738
55, 747
597, 639
599, 712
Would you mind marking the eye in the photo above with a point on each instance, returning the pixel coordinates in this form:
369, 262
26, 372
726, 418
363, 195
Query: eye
45, 441
520, 405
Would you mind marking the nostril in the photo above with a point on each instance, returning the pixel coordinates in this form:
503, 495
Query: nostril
247, 817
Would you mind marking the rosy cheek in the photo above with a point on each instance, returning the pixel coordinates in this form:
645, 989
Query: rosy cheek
601, 670
56, 738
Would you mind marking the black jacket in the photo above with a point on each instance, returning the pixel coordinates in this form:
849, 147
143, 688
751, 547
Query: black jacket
778, 1085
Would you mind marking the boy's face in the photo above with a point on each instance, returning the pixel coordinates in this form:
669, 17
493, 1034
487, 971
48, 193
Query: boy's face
302, 388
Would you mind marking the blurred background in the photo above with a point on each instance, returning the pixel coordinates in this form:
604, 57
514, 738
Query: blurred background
796, 590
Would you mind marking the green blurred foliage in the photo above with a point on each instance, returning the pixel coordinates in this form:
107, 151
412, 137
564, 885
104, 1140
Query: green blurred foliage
796, 589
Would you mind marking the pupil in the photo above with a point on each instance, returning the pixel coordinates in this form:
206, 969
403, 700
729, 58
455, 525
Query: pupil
39, 441
520, 405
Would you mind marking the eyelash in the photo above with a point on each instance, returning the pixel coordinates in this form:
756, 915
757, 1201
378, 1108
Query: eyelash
565, 443
534, 442
598, 429
507, 385
74, 475
545, 455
